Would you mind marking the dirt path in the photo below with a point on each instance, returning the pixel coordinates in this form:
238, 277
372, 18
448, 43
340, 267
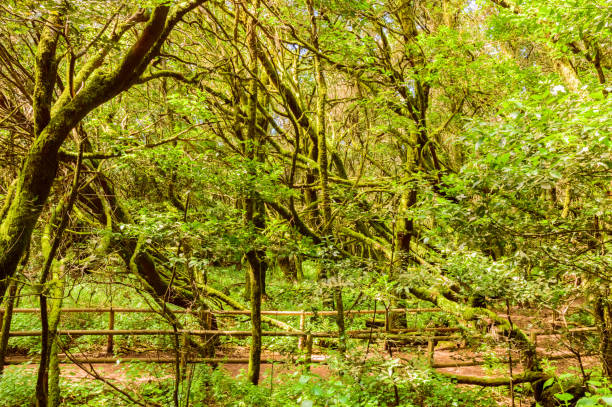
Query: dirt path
124, 372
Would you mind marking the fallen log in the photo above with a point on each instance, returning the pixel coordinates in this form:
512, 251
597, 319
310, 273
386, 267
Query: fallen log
469, 313
527, 377
480, 362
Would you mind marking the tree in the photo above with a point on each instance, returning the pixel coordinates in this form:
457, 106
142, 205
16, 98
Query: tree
451, 152
94, 84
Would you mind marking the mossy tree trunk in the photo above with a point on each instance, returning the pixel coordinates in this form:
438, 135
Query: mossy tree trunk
603, 315
53, 121
291, 267
7, 317
253, 206
404, 232
33, 185
415, 107
50, 265
147, 265
54, 319
323, 161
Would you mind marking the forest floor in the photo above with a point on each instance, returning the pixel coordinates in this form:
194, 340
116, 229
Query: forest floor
454, 353
445, 354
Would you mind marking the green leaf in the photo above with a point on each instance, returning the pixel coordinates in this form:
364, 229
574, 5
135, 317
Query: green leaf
564, 396
307, 403
594, 382
548, 382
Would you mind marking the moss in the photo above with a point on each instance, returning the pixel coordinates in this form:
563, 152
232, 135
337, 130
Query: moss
7, 200
5, 324
54, 318
469, 313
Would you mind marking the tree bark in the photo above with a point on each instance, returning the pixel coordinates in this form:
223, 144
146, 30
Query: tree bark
54, 123
323, 168
54, 319
603, 315
253, 206
49, 325
7, 317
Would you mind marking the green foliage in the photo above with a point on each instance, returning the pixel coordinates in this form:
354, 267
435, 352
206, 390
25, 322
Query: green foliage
469, 148
600, 393
375, 388
17, 386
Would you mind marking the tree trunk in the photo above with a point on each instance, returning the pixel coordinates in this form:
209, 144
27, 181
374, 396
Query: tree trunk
323, 167
289, 267
54, 319
54, 122
39, 167
9, 302
50, 248
603, 315
254, 208
255, 350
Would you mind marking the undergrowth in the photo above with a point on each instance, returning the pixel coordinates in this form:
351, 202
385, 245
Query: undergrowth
206, 386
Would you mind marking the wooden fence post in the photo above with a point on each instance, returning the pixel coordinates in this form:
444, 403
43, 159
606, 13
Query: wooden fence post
387, 343
209, 320
184, 352
302, 339
431, 346
111, 326
308, 350
209, 341
387, 321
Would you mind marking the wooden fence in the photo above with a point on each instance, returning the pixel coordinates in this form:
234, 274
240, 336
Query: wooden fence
305, 338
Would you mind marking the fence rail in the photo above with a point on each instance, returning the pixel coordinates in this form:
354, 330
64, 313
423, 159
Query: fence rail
361, 334
16, 360
228, 312
429, 335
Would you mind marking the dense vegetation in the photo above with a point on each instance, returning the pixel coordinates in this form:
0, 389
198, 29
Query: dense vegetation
307, 155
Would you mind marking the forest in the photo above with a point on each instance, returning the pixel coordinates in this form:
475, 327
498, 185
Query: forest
305, 203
